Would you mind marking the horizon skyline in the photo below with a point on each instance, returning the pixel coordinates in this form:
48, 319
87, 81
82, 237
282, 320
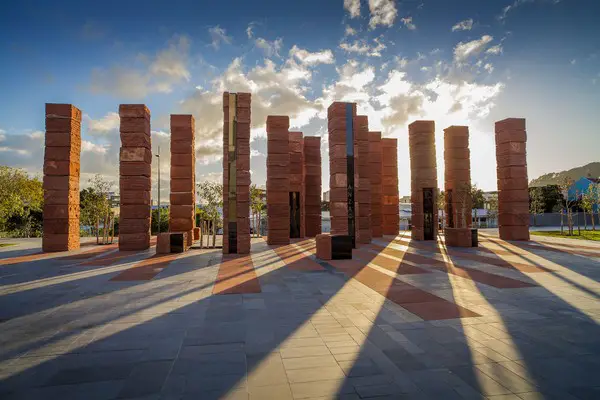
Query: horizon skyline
399, 61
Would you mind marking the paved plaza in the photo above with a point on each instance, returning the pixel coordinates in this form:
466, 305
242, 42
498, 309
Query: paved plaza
402, 320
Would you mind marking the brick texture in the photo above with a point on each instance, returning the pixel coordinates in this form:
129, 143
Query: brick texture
312, 186
61, 178
183, 177
135, 166
278, 179
375, 177
513, 195
390, 202
240, 108
423, 171
457, 177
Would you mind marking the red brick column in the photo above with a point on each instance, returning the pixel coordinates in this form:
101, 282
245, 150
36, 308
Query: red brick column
312, 186
513, 194
423, 171
236, 112
362, 179
61, 178
375, 170
296, 172
183, 173
337, 120
457, 176
278, 179
389, 178
135, 177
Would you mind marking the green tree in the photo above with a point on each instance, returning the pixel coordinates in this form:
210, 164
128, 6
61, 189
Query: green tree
588, 202
95, 206
21, 202
477, 199
210, 195
257, 205
441, 203
564, 186
537, 202
164, 221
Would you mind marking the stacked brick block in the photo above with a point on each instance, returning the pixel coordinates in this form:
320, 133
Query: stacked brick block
312, 186
236, 111
61, 178
135, 177
296, 172
423, 167
513, 195
390, 203
375, 176
278, 179
183, 181
457, 177
363, 180
337, 124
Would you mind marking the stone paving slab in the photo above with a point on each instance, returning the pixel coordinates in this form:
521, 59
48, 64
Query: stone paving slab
306, 329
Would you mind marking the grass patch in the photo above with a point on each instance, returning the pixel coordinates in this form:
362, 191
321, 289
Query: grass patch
585, 235
7, 244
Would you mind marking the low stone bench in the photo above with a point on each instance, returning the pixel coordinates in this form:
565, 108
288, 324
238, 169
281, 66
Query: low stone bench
334, 247
172, 242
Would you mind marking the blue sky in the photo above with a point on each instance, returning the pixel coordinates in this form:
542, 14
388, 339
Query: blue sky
470, 63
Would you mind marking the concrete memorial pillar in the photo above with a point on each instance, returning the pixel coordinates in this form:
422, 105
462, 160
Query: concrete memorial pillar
312, 186
135, 177
375, 176
296, 176
61, 178
362, 179
236, 173
457, 180
278, 179
513, 193
183, 176
389, 178
424, 188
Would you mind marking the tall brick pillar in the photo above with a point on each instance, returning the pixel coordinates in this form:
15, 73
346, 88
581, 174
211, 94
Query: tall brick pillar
236, 173
362, 179
423, 171
375, 171
297, 181
183, 175
312, 186
278, 179
513, 194
457, 177
135, 177
389, 189
342, 180
61, 178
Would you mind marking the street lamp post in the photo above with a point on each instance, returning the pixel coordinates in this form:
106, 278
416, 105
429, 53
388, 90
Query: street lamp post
158, 156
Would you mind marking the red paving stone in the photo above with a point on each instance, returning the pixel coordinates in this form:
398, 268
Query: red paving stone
491, 260
236, 276
542, 246
22, 259
398, 267
294, 258
424, 304
146, 269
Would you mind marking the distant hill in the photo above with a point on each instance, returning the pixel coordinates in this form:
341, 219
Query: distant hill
593, 169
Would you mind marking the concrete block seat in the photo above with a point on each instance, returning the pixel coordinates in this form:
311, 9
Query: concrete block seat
334, 247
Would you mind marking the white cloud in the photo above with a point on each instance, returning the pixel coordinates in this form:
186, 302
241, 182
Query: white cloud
464, 50
360, 46
353, 7
308, 58
350, 31
465, 25
573, 61
270, 48
383, 12
108, 123
407, 21
250, 30
497, 49
218, 36
166, 69
489, 67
